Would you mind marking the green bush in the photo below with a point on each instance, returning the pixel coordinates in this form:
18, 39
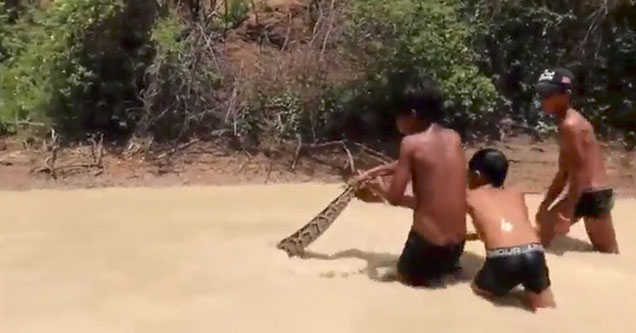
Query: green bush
236, 12
180, 97
77, 65
105, 71
39, 54
421, 37
4, 31
596, 40
146, 67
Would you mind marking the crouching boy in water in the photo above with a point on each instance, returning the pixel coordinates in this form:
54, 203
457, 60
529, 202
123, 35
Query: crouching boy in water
432, 157
514, 254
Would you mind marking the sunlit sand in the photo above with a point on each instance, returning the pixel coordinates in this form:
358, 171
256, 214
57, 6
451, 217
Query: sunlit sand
203, 259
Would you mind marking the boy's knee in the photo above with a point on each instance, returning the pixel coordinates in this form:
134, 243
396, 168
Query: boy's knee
546, 239
607, 245
562, 228
540, 302
613, 249
479, 291
546, 296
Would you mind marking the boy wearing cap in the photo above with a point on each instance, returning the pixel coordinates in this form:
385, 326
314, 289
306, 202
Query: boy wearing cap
581, 166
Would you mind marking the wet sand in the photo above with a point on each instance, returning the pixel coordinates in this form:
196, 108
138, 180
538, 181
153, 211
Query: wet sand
203, 259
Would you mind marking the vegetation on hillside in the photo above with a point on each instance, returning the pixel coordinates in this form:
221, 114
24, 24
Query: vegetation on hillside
313, 69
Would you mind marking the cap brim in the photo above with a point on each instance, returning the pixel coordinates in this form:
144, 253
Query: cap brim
545, 89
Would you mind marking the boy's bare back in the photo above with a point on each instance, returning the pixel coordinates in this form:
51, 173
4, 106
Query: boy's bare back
432, 157
581, 152
500, 217
437, 163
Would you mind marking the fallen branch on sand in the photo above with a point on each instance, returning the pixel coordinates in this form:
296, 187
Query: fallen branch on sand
178, 148
343, 144
297, 153
50, 167
242, 166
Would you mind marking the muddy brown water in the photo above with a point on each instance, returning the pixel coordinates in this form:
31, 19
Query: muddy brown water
203, 259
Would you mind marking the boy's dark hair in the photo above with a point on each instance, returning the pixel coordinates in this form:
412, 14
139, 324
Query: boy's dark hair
491, 164
420, 94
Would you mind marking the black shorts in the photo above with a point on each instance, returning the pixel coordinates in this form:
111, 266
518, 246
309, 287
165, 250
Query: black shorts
594, 203
505, 268
423, 263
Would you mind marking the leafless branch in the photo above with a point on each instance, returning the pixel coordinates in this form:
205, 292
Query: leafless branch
297, 153
178, 148
314, 33
249, 159
269, 170
351, 164
97, 150
329, 27
30, 123
49, 162
326, 144
288, 33
255, 11
374, 153
341, 143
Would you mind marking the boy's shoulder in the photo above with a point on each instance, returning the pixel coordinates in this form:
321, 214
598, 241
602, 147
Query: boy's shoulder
441, 133
516, 193
575, 123
474, 195
449, 132
513, 192
481, 193
410, 142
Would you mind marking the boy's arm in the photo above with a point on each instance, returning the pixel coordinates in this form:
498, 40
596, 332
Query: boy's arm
557, 185
575, 142
394, 193
478, 235
408, 201
526, 210
401, 174
382, 170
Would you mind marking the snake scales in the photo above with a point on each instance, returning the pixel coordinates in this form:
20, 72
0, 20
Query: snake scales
296, 243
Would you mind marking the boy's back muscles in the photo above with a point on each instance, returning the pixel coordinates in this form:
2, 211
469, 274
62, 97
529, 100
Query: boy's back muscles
501, 217
437, 162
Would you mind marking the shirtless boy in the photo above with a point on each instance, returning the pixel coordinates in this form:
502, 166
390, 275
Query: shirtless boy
581, 166
432, 157
514, 254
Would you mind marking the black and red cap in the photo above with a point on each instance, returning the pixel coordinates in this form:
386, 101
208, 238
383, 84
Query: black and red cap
553, 81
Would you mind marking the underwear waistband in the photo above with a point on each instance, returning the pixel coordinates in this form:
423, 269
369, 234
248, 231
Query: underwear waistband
598, 189
514, 251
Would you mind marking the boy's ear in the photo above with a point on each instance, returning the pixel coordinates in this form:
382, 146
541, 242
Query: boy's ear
479, 179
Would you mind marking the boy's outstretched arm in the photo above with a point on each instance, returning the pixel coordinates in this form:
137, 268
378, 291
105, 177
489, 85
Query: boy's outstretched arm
557, 185
394, 193
401, 177
479, 232
382, 170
